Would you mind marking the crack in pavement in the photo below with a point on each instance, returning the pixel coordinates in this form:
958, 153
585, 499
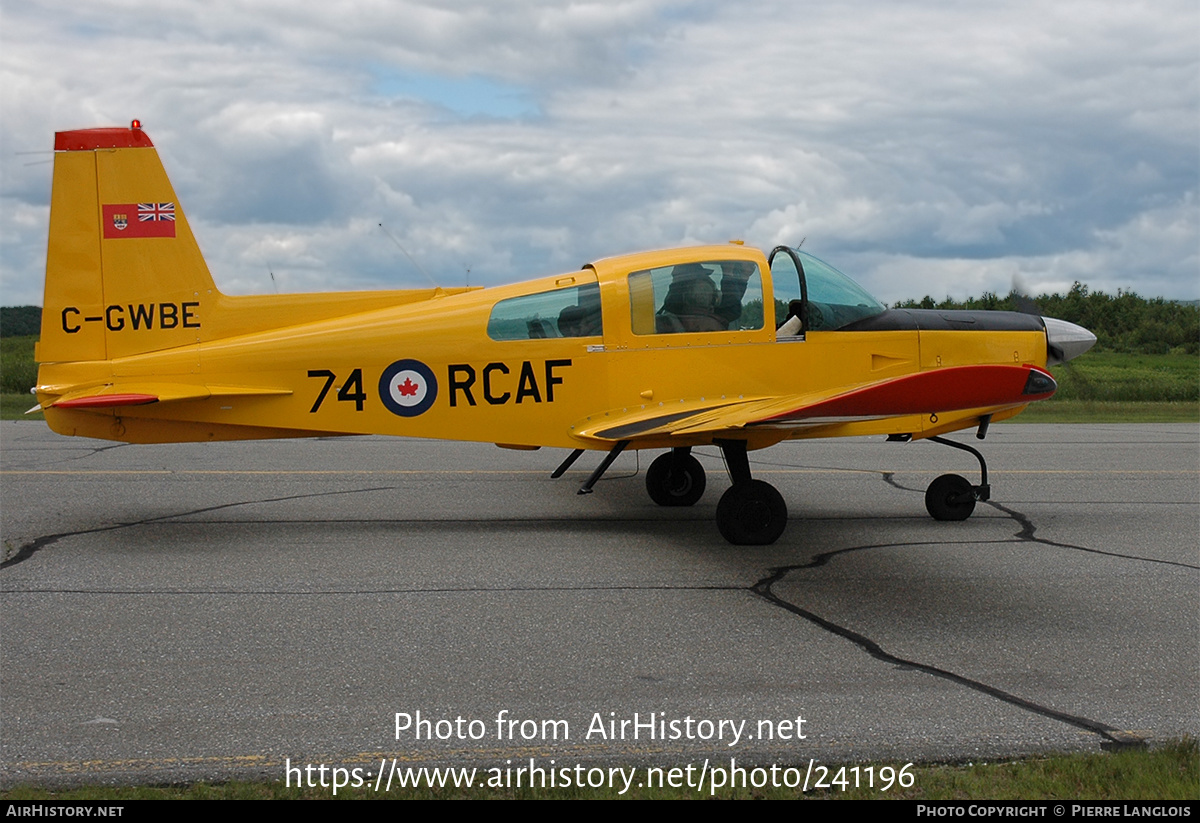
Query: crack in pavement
97, 449
1026, 535
29, 549
1115, 738
762, 588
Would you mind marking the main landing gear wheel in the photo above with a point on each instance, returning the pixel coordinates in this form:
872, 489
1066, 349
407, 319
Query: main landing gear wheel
751, 513
675, 480
950, 497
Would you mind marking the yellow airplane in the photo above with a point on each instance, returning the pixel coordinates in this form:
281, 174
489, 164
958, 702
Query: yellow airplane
713, 345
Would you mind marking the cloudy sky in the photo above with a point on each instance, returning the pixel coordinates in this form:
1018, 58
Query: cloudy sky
928, 147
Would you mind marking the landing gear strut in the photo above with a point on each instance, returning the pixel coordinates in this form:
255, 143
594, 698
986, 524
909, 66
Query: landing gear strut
751, 512
952, 497
675, 478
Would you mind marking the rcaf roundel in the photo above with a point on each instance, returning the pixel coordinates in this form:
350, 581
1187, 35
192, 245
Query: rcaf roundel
408, 388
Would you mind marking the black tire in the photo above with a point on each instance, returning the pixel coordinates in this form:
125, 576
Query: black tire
751, 513
675, 481
948, 498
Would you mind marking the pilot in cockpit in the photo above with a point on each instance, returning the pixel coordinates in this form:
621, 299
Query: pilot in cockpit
694, 303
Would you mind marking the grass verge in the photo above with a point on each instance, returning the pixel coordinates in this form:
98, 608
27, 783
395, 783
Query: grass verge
1110, 411
18, 372
13, 406
1111, 377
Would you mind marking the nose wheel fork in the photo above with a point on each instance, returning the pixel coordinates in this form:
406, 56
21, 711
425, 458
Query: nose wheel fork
951, 496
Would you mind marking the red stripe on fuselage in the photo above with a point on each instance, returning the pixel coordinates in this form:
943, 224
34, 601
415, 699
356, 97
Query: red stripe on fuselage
939, 390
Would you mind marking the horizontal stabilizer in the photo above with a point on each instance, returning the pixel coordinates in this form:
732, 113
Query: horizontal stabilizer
116, 395
104, 401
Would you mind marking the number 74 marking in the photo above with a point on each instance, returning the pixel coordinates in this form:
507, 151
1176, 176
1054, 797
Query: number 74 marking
351, 390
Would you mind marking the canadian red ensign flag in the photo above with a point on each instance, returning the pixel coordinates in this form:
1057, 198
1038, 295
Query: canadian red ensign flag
139, 220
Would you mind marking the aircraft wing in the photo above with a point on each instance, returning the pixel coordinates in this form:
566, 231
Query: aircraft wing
929, 392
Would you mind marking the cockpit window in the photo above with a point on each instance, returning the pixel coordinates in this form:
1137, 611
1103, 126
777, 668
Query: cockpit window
573, 312
827, 300
785, 282
718, 295
837, 299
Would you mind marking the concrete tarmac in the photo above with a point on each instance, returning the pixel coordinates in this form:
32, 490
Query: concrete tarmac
217, 611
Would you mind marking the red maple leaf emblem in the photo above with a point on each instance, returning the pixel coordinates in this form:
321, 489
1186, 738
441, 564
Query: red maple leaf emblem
408, 388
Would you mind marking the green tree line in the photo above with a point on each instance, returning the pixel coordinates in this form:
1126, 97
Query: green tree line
19, 321
1122, 323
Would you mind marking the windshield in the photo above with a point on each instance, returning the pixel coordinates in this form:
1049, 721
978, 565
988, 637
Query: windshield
834, 300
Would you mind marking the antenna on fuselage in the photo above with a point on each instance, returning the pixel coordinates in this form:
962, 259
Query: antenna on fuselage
409, 256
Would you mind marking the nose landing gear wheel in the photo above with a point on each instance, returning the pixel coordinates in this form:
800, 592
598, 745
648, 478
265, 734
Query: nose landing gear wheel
751, 513
675, 480
950, 497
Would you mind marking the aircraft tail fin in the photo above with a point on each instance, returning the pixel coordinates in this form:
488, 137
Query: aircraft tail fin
124, 274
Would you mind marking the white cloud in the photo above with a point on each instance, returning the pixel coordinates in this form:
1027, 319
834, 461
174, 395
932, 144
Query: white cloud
1152, 255
936, 147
